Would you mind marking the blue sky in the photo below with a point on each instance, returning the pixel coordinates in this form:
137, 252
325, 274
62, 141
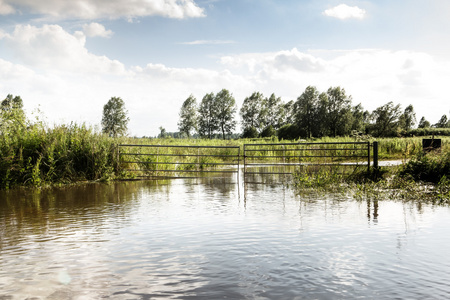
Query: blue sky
67, 58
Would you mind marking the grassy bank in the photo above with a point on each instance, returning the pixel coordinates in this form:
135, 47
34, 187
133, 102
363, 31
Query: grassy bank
36, 156
425, 177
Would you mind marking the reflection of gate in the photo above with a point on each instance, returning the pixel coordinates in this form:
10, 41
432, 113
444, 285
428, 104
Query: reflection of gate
282, 159
164, 161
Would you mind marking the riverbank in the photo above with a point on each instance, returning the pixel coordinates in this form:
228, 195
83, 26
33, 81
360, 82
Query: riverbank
425, 177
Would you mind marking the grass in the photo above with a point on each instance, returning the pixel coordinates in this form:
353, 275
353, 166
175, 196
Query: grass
39, 156
426, 177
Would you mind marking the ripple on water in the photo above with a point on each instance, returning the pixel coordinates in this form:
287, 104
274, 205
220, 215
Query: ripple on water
195, 240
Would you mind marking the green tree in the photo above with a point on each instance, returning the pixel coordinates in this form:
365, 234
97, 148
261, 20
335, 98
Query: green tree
273, 112
386, 119
442, 123
408, 118
423, 123
188, 116
115, 119
360, 118
339, 111
226, 110
12, 115
306, 111
207, 116
253, 112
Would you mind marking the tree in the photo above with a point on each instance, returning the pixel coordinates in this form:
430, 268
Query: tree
252, 112
207, 116
442, 123
306, 111
226, 109
386, 119
12, 115
423, 123
115, 119
360, 118
408, 118
339, 111
162, 132
188, 116
273, 112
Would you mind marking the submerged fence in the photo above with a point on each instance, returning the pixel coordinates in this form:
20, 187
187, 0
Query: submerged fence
281, 159
166, 161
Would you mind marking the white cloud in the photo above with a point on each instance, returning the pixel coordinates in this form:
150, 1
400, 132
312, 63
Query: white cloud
209, 42
372, 76
51, 47
96, 29
95, 9
6, 9
343, 11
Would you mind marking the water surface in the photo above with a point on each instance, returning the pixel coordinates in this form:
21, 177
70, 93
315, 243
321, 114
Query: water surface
216, 238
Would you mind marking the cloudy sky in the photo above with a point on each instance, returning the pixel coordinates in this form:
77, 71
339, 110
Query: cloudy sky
68, 58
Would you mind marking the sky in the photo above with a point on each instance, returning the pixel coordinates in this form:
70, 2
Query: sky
66, 59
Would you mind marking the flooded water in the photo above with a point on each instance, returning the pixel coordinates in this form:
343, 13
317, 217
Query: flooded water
218, 238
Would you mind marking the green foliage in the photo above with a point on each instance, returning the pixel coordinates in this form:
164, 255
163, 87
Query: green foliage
428, 131
226, 109
269, 131
188, 116
253, 112
207, 122
115, 120
250, 133
64, 154
288, 132
428, 167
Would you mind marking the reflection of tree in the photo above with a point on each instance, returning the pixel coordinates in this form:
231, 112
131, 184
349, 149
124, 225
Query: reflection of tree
48, 212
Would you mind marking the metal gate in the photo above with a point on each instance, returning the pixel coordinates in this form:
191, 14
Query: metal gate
171, 161
283, 159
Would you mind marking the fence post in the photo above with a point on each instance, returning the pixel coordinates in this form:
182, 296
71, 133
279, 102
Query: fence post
368, 156
375, 155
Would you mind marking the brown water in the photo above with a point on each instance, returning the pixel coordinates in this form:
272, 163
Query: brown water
216, 238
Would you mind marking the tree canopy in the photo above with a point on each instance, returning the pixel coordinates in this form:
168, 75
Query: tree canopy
115, 119
188, 116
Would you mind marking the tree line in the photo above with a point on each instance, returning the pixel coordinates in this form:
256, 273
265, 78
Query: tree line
313, 114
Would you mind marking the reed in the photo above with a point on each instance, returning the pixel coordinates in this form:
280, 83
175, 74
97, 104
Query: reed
39, 156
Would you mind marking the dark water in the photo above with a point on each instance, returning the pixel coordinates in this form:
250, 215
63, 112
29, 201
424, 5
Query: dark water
218, 239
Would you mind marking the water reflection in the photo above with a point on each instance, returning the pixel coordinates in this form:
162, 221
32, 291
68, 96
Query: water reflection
211, 238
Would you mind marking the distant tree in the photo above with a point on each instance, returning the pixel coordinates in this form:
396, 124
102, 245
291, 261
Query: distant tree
423, 123
269, 131
339, 111
250, 133
306, 111
386, 119
188, 116
226, 110
408, 118
360, 118
253, 112
442, 123
274, 110
207, 116
12, 115
115, 119
287, 113
162, 132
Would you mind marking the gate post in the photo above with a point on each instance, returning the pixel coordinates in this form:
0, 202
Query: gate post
375, 155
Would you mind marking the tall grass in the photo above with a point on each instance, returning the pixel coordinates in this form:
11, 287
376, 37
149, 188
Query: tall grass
36, 155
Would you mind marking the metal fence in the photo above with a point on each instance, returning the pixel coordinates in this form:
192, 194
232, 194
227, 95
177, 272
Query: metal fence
282, 159
170, 161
